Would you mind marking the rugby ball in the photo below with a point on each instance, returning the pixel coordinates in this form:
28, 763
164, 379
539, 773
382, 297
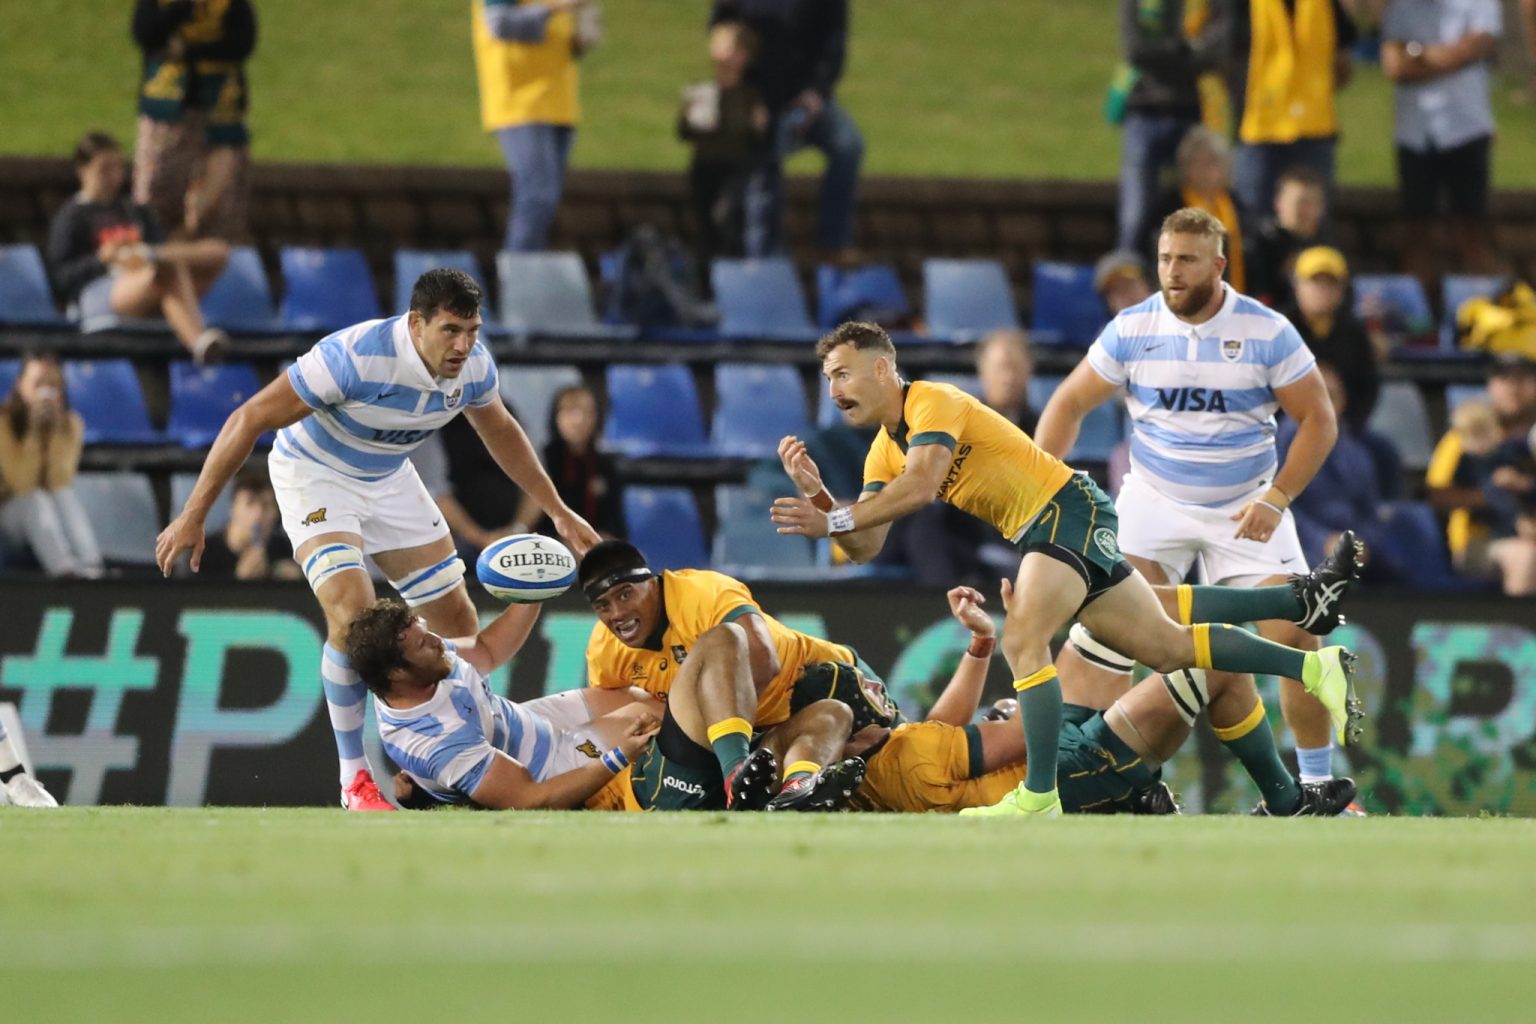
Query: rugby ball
526, 568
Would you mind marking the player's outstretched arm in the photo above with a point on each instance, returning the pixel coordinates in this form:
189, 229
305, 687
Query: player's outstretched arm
958, 703
860, 529
803, 471
495, 645
1074, 398
508, 786
509, 446
272, 408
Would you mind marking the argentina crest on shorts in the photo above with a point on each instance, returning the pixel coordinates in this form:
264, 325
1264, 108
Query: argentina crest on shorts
1232, 349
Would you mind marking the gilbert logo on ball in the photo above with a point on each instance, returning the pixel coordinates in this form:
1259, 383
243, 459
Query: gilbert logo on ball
526, 567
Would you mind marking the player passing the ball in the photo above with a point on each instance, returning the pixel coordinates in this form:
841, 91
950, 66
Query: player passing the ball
937, 442
348, 414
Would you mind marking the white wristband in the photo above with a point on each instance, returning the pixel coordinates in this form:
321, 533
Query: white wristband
840, 520
1277, 510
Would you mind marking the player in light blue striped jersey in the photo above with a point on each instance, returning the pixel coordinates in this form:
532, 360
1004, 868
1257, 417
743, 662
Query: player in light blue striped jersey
349, 412
1204, 370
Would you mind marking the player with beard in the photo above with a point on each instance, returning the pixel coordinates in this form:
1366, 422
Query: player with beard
935, 441
1203, 369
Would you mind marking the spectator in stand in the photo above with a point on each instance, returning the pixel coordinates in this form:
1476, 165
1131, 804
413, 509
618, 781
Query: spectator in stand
1438, 54
586, 478
1301, 200
1286, 61
1331, 329
726, 122
192, 159
40, 444
1205, 178
802, 45
525, 56
1483, 477
1005, 365
250, 547
1162, 102
1120, 278
109, 255
1345, 494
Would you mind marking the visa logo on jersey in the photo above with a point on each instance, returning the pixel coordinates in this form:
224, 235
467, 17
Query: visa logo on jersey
1192, 399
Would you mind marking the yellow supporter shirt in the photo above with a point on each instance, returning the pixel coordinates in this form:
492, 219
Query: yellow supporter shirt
996, 472
693, 602
526, 83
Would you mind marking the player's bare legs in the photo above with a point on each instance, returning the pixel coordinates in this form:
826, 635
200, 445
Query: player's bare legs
809, 745
713, 701
1129, 618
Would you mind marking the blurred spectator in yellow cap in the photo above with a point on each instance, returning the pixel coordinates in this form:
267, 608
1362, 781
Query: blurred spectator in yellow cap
1330, 328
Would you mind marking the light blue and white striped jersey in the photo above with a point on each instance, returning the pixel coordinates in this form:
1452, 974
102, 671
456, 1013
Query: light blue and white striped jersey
1201, 397
375, 400
446, 743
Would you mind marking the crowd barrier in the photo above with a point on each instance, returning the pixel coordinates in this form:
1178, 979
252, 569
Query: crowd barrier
194, 693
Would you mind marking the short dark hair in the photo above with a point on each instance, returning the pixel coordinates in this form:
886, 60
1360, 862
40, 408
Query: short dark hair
92, 143
373, 642
1301, 174
445, 288
608, 564
252, 478
861, 334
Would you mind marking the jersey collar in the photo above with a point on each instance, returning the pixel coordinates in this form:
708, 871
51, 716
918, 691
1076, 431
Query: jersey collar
902, 430
1212, 327
655, 642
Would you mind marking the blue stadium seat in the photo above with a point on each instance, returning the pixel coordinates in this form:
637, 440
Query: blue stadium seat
1067, 308
1102, 431
218, 515
1458, 288
761, 299
755, 406
1402, 300
841, 291
663, 522
1457, 395
10, 369
326, 289
412, 263
1401, 416
202, 398
121, 506
241, 299
106, 394
529, 391
25, 295
548, 293
653, 410
747, 542
964, 299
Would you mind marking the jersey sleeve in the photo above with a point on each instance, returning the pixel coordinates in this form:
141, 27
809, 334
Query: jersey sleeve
481, 391
879, 470
1106, 355
1289, 358
726, 600
325, 375
937, 416
603, 667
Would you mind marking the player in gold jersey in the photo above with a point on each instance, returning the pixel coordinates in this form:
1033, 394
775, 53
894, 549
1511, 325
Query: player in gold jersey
936, 441
654, 630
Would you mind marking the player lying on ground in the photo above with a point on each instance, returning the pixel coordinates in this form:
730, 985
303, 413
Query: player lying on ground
938, 442
348, 414
457, 742
653, 628
1107, 761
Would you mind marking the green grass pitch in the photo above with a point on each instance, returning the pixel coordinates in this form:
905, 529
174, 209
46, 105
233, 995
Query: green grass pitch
286, 915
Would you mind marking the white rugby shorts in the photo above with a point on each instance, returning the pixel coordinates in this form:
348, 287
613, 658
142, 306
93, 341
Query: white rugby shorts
389, 514
1178, 536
